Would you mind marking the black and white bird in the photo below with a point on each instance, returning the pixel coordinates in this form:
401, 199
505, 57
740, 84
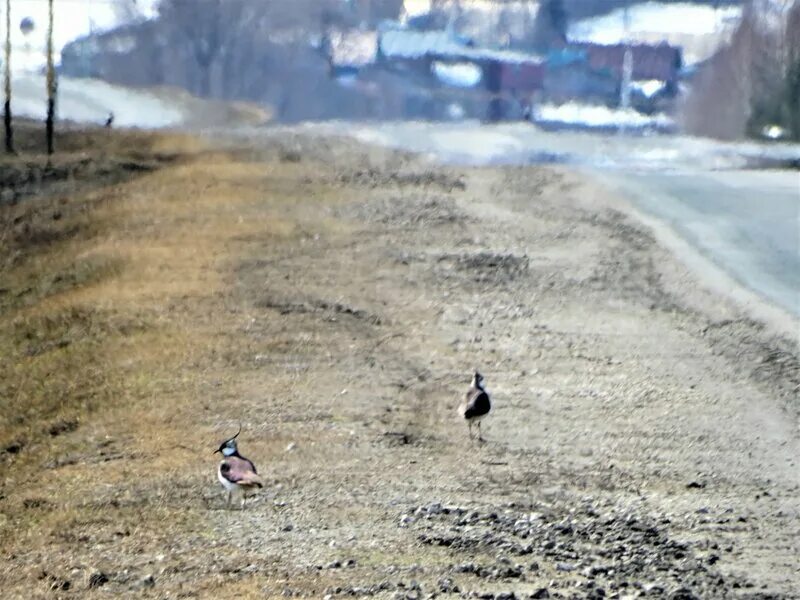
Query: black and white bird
236, 473
109, 120
476, 404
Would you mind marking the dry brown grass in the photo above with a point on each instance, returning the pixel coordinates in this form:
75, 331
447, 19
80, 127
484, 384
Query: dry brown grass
114, 303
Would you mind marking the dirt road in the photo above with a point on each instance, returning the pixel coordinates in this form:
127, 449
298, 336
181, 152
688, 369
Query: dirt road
644, 439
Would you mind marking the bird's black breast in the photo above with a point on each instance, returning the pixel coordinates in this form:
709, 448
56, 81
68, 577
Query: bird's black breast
478, 404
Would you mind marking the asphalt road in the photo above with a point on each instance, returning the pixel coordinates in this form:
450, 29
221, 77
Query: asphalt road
747, 222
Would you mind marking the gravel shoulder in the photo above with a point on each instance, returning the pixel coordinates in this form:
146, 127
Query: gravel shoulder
645, 434
644, 440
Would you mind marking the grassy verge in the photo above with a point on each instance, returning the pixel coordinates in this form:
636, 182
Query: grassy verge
116, 270
61, 247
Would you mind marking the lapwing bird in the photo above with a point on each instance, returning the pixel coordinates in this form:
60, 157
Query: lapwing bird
236, 473
109, 120
476, 404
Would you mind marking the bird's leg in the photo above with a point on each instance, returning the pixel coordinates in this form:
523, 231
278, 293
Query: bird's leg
469, 427
230, 494
244, 500
480, 434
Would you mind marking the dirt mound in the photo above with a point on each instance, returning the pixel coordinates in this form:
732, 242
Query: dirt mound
597, 551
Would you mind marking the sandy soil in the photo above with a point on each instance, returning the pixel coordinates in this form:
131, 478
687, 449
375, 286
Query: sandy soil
644, 440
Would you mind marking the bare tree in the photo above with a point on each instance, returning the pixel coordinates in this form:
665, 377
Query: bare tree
752, 82
550, 27
264, 50
210, 31
51, 80
791, 94
201, 27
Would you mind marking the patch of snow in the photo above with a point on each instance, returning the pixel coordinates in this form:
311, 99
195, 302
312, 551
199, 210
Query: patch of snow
648, 88
71, 20
414, 8
457, 75
575, 113
353, 48
90, 101
411, 44
408, 43
654, 17
698, 29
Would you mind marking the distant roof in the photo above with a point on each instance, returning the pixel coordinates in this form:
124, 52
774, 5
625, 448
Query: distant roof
353, 48
565, 56
407, 43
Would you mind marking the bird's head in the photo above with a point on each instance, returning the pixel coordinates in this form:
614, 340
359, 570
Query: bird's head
228, 447
477, 380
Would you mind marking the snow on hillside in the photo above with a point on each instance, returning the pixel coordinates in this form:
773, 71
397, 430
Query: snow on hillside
91, 100
72, 19
698, 29
648, 88
655, 17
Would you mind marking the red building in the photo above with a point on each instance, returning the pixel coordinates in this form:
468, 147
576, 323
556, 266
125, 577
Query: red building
522, 77
662, 62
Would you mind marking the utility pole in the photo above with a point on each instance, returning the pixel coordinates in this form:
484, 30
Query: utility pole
51, 80
7, 105
627, 66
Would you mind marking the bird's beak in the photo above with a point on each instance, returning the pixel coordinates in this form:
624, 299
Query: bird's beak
215, 451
